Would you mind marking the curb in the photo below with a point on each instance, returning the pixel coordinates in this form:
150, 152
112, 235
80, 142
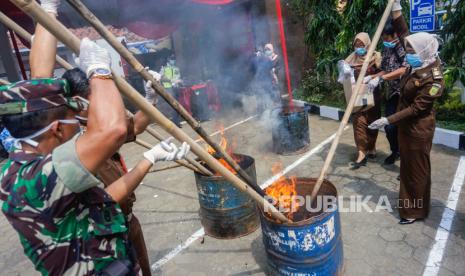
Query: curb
449, 138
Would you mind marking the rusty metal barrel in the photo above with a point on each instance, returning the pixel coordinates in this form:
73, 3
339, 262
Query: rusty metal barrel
226, 212
290, 130
312, 246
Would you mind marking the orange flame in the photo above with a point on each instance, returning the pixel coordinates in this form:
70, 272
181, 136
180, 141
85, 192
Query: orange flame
284, 191
228, 148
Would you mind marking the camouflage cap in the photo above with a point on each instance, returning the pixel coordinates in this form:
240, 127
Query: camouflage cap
34, 95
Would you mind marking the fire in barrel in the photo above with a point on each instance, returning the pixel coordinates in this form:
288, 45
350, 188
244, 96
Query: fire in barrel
225, 211
312, 244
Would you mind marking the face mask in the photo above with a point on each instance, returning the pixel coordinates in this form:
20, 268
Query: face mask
414, 60
29, 139
389, 44
268, 53
172, 62
361, 51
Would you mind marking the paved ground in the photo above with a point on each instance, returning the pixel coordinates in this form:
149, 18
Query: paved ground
374, 244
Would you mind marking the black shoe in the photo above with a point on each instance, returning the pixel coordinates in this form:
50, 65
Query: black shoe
404, 221
356, 165
371, 156
391, 159
398, 177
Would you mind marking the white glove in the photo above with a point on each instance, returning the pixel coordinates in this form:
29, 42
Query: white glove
167, 151
372, 84
397, 6
367, 79
50, 6
93, 57
150, 94
378, 124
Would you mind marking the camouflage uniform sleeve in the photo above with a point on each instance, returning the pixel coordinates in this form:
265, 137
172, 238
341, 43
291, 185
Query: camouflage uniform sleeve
70, 169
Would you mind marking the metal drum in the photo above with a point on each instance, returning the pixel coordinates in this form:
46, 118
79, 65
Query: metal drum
309, 247
225, 211
290, 130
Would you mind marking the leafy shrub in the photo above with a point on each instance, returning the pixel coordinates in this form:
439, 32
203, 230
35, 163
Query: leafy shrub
320, 89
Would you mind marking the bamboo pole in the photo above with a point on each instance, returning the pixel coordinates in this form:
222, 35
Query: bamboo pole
180, 162
3, 82
10, 24
72, 42
165, 168
27, 36
129, 57
354, 96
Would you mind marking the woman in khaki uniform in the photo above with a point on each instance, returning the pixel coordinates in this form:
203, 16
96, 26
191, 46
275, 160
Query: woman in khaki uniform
420, 87
365, 139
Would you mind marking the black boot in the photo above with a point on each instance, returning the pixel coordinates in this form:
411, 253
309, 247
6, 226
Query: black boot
391, 159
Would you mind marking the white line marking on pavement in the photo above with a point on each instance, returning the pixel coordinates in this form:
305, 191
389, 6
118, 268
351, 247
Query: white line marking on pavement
299, 161
229, 127
199, 233
178, 249
435, 255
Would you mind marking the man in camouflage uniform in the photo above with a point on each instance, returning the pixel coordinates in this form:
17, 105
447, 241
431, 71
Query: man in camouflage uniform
67, 223
113, 168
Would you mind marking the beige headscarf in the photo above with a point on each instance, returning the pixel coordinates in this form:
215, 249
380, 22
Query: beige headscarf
355, 60
426, 46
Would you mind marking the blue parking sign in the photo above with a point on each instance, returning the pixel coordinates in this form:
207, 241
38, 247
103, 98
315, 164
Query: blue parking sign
422, 15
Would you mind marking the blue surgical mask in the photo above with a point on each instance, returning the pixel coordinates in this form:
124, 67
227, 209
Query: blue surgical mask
361, 51
268, 53
414, 60
389, 44
172, 62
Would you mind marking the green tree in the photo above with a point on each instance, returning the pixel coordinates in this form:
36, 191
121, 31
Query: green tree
330, 30
329, 33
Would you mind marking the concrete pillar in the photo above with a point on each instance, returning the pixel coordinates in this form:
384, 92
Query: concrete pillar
8, 59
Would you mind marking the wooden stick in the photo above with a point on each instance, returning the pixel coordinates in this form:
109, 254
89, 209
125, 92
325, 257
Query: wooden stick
165, 168
4, 82
10, 24
69, 39
129, 57
180, 162
351, 104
